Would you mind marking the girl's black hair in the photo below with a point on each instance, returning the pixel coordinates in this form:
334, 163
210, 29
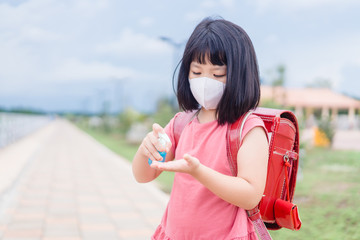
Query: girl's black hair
224, 43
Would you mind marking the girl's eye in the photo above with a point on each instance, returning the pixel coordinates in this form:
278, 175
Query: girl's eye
219, 76
196, 73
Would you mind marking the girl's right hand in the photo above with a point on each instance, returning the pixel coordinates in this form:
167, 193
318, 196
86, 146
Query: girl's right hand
151, 145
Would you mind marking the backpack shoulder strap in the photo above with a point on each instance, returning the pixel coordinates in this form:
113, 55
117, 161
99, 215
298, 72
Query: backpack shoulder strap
180, 121
233, 140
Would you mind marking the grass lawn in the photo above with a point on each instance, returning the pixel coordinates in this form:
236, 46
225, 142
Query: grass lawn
327, 196
327, 192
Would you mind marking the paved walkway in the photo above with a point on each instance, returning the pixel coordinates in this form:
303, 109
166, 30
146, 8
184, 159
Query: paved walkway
59, 183
347, 140
343, 139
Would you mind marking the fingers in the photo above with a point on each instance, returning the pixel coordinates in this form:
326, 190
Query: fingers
188, 164
157, 129
155, 142
155, 138
149, 149
171, 166
188, 158
192, 162
151, 145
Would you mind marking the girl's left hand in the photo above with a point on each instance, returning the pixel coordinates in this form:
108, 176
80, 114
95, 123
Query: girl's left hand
188, 164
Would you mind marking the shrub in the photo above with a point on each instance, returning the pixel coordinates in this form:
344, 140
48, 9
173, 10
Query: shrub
325, 130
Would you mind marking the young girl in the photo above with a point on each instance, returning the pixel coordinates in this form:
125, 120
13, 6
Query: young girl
219, 78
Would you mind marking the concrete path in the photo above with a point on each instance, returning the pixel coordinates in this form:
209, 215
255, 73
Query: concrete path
343, 139
59, 183
347, 140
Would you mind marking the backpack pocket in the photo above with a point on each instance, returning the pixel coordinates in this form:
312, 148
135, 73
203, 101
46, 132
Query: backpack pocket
287, 215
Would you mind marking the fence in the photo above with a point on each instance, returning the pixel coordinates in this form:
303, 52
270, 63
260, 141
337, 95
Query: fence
14, 126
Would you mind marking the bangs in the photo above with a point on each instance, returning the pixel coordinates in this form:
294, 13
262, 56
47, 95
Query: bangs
209, 49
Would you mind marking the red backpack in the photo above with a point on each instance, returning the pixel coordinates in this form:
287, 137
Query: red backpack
275, 209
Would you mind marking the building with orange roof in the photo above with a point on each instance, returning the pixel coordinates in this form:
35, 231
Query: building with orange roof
307, 101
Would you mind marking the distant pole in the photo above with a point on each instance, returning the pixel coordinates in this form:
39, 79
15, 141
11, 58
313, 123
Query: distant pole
119, 93
176, 49
85, 105
100, 100
176, 46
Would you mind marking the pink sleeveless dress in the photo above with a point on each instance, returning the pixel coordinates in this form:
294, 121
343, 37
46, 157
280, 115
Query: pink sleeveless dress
194, 212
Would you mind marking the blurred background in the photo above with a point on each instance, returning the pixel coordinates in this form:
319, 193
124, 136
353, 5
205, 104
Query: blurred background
107, 66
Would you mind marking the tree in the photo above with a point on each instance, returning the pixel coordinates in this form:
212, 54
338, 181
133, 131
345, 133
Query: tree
164, 112
324, 134
279, 80
127, 118
278, 83
321, 83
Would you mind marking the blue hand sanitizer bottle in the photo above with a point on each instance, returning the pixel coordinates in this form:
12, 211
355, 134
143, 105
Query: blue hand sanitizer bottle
163, 139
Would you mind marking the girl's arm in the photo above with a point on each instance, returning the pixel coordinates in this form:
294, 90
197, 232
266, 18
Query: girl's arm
149, 149
247, 188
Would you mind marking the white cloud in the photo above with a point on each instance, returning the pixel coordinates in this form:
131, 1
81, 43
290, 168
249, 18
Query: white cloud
271, 38
38, 43
25, 75
17, 62
74, 69
130, 43
285, 5
324, 60
146, 21
91, 7
208, 4
46, 12
195, 16
307, 62
227, 3
216, 4
46, 41
36, 34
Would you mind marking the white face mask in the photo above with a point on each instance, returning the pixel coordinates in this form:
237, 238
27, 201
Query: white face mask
207, 91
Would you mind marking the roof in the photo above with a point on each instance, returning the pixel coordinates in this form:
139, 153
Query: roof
309, 97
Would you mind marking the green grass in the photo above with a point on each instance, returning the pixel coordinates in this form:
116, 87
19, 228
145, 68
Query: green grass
114, 142
328, 195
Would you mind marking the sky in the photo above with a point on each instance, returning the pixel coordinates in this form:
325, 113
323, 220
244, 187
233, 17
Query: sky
74, 55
